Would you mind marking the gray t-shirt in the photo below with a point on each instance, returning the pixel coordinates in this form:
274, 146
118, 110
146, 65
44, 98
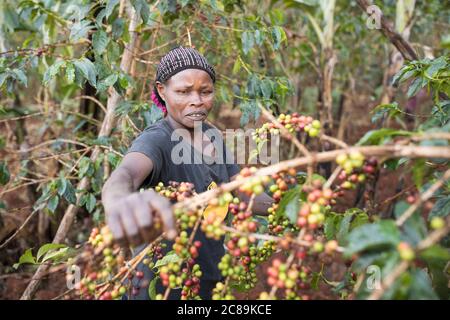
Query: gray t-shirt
156, 143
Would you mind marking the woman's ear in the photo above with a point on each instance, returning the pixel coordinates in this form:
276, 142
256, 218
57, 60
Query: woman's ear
161, 89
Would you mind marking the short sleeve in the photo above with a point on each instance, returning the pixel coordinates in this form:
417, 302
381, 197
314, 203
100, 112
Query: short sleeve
150, 144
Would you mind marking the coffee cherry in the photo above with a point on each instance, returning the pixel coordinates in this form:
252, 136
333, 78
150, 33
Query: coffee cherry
405, 251
437, 223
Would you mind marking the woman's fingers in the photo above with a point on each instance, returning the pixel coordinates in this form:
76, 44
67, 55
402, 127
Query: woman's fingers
130, 225
162, 207
144, 217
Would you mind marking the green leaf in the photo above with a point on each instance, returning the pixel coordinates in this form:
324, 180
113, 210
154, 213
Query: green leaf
152, 288
118, 27
69, 193
55, 255
435, 66
380, 136
27, 257
390, 110
61, 185
70, 72
441, 208
278, 36
100, 41
90, 202
266, 88
48, 247
168, 258
87, 69
289, 203
247, 41
80, 30
4, 173
142, 8
110, 7
435, 252
52, 203
415, 86
20, 76
383, 233
421, 288
419, 170
52, 71
109, 81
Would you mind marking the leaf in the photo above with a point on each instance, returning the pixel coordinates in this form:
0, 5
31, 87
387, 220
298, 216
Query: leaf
27, 257
118, 27
380, 136
87, 69
247, 41
435, 66
142, 8
110, 7
52, 71
421, 287
289, 204
390, 110
69, 193
168, 258
109, 81
52, 203
414, 229
61, 185
153, 115
80, 30
441, 208
383, 233
55, 255
415, 86
419, 170
435, 252
4, 173
278, 36
152, 288
266, 88
20, 76
48, 247
100, 41
90, 202
70, 72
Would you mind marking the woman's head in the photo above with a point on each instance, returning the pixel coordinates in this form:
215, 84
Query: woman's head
184, 86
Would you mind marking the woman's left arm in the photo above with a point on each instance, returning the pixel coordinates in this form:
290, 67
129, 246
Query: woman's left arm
261, 202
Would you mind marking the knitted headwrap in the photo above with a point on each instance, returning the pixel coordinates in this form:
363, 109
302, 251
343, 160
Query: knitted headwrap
176, 60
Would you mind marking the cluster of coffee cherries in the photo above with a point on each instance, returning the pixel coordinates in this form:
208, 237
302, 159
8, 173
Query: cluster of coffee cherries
255, 185
100, 237
182, 247
318, 202
107, 260
278, 224
222, 292
176, 191
355, 169
292, 123
290, 278
174, 275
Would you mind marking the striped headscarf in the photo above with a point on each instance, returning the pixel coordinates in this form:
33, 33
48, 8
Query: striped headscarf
176, 60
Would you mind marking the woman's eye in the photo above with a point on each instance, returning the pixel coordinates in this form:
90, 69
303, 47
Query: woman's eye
182, 91
207, 92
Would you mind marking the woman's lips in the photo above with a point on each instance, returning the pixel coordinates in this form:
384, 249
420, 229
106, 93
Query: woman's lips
197, 116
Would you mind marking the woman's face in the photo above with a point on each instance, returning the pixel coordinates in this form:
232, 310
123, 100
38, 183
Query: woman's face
189, 96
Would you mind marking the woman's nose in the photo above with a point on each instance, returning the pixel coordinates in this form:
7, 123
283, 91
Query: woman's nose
196, 99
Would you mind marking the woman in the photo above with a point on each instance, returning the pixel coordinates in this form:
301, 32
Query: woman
184, 90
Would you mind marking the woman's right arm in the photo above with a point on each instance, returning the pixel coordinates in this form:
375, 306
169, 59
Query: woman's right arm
129, 213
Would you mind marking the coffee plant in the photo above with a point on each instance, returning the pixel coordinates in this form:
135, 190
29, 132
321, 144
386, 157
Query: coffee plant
360, 199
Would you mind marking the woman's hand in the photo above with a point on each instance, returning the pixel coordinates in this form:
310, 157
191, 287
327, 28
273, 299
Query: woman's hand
132, 217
